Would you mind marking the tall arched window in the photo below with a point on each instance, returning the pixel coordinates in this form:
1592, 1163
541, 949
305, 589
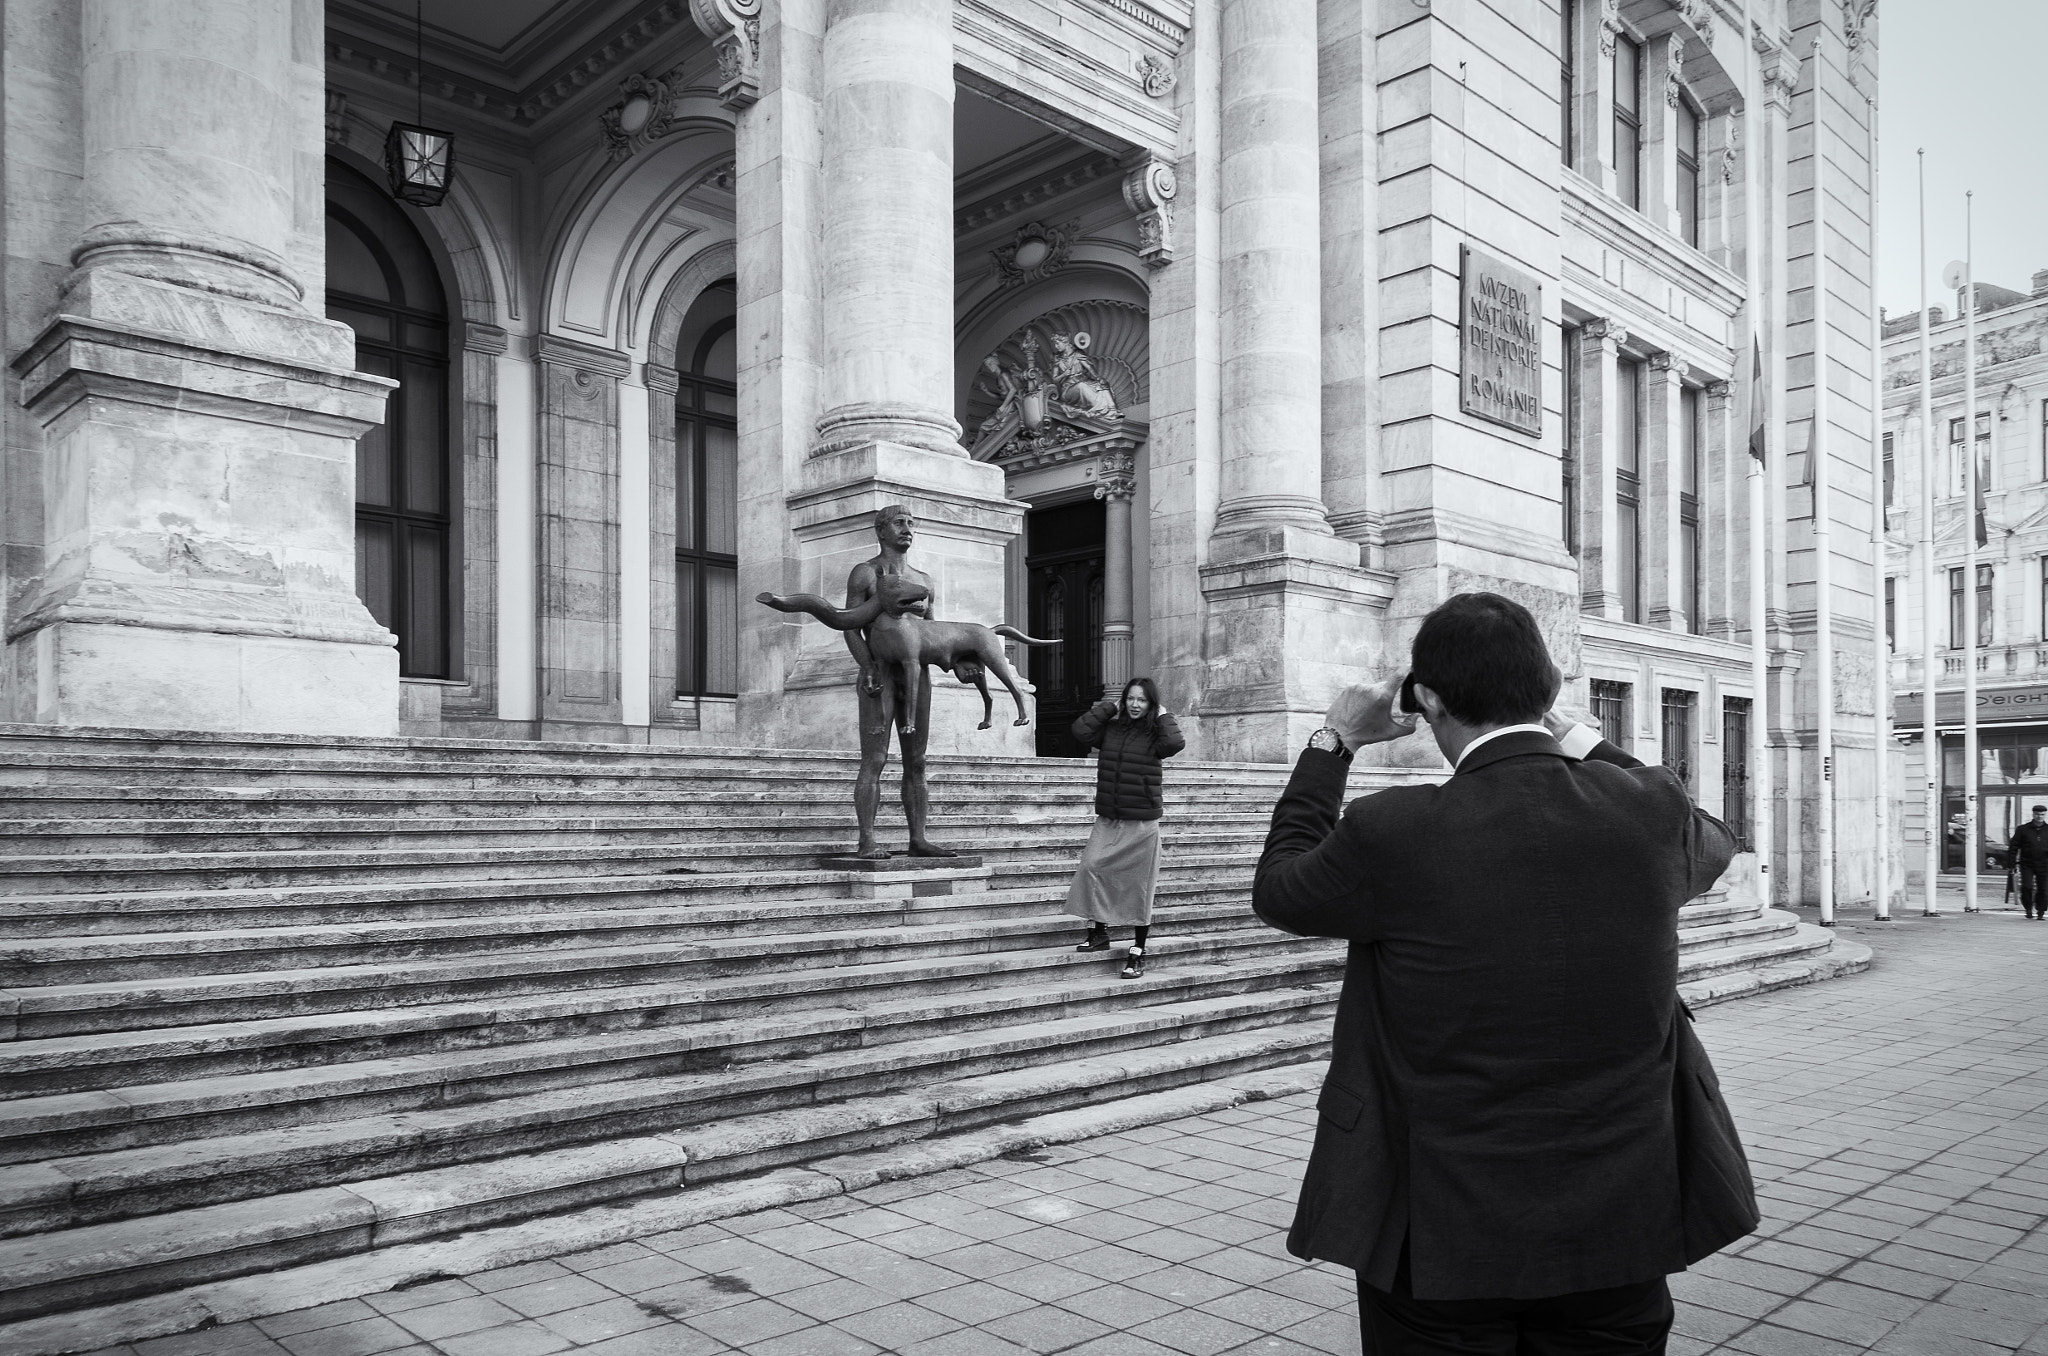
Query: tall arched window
382, 283
707, 518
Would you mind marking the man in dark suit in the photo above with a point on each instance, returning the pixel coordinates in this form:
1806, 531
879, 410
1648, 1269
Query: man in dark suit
1496, 1154
2030, 855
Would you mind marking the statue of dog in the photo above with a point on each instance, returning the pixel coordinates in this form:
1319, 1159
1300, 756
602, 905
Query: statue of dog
901, 643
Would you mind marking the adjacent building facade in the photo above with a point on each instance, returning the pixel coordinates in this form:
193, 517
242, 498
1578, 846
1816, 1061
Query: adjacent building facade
2009, 591
1218, 339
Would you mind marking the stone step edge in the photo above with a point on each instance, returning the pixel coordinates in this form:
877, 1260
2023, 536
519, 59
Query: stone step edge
1842, 957
218, 1302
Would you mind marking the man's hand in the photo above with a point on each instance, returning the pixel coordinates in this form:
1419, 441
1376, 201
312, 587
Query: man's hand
1365, 714
1560, 719
869, 683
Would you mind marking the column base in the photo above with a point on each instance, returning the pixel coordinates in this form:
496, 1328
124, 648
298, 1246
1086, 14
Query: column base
964, 522
1292, 619
141, 677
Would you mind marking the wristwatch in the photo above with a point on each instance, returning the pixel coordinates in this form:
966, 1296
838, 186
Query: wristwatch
1329, 741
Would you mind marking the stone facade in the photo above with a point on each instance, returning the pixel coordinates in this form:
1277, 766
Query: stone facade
1232, 234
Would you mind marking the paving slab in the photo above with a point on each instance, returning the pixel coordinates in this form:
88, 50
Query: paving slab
1898, 1122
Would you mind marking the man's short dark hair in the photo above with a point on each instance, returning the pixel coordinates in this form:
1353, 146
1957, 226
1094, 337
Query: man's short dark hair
1484, 656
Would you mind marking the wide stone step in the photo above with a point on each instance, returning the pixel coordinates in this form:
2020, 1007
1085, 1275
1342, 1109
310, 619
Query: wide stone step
64, 1192
936, 953
104, 1263
1784, 942
189, 1105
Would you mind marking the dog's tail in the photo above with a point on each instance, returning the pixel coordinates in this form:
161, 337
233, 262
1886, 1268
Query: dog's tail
1012, 633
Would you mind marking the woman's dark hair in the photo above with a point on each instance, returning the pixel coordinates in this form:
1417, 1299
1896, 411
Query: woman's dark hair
1151, 691
1484, 656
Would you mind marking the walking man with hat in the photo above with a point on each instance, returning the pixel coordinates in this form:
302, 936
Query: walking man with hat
2030, 854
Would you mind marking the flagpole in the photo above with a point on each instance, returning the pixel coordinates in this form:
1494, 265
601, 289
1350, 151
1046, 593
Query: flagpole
1823, 515
1881, 742
1930, 661
1762, 807
1973, 847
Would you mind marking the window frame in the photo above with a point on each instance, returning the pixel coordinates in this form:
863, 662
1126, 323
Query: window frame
1691, 411
1687, 163
695, 561
1609, 701
1628, 151
1891, 614
1684, 701
1628, 486
1572, 453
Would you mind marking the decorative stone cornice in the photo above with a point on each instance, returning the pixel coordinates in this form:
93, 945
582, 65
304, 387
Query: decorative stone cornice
489, 340
734, 27
587, 359
1149, 191
660, 378
1074, 174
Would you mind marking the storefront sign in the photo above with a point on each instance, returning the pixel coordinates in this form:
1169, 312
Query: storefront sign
1993, 704
1500, 342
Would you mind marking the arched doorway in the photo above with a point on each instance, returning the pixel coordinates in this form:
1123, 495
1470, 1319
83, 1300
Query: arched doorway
383, 284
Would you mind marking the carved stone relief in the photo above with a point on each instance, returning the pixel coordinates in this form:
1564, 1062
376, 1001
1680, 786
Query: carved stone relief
1730, 148
1116, 475
1674, 69
1610, 25
641, 117
734, 27
1156, 76
1064, 378
1035, 252
1148, 190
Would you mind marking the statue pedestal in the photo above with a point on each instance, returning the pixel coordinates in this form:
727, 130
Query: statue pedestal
964, 522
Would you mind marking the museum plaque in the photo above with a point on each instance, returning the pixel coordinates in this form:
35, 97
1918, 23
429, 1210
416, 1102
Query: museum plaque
1500, 342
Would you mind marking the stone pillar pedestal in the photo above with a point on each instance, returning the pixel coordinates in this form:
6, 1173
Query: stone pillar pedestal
1287, 619
887, 434
200, 419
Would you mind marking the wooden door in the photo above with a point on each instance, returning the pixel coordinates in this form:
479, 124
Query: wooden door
1063, 555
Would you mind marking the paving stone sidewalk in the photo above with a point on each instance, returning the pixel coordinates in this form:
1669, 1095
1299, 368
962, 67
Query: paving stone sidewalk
1895, 1119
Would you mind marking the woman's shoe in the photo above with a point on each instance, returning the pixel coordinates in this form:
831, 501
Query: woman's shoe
1134, 962
1096, 940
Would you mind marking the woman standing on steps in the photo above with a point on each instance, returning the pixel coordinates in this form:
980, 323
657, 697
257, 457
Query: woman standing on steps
1120, 866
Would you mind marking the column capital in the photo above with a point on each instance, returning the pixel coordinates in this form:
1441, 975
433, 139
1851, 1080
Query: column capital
1149, 189
1116, 475
1609, 333
1666, 363
1720, 390
734, 27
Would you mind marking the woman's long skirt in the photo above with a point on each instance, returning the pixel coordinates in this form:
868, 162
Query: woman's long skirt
1118, 872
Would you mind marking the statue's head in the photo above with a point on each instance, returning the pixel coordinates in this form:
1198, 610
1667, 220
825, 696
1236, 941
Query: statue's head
1061, 343
895, 525
991, 364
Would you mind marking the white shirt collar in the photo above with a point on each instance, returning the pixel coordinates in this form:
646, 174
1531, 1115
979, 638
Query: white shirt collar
1466, 752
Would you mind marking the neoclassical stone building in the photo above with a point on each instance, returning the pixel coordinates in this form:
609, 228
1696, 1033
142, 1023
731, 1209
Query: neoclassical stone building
1220, 339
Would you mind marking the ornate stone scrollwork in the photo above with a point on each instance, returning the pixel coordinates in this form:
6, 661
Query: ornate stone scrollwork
734, 27
1607, 332
641, 117
1699, 15
1148, 191
1856, 17
337, 117
1156, 76
1037, 251
1730, 148
1116, 475
1674, 69
1610, 25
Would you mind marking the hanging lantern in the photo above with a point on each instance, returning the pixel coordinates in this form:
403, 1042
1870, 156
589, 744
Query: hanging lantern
419, 161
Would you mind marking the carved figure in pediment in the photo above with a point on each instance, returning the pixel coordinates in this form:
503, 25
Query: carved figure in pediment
1006, 386
1080, 388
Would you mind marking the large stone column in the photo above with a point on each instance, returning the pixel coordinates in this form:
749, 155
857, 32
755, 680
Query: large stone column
1599, 432
1663, 444
886, 433
1286, 597
200, 414
1116, 483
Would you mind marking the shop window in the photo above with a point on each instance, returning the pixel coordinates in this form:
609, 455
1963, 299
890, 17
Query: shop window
383, 284
1628, 493
1676, 752
1689, 413
1735, 811
707, 519
1628, 122
1610, 708
1688, 130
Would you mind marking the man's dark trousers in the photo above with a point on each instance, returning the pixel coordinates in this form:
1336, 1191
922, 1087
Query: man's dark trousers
1628, 1320
2034, 887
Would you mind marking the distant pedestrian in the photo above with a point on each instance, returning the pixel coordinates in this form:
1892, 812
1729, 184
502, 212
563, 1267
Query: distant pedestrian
1119, 868
2030, 855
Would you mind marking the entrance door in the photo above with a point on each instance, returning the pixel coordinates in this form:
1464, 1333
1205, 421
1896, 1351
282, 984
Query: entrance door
1063, 555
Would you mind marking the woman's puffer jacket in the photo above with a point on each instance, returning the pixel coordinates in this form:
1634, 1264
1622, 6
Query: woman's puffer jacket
1127, 768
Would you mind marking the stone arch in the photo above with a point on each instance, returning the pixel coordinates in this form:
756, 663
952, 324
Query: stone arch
686, 283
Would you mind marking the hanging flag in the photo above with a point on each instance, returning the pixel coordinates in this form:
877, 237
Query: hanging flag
1806, 472
1978, 506
1756, 399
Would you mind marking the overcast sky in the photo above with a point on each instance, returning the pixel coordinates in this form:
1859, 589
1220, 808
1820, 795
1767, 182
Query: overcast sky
1965, 79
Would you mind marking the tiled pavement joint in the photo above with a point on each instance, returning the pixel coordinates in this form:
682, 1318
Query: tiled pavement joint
1897, 1122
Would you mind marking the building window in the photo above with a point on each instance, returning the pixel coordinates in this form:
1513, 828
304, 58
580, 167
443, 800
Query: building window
1628, 122
383, 284
1688, 173
707, 520
1677, 746
2044, 597
1891, 614
1569, 469
1628, 465
2044, 440
1610, 708
1958, 485
1689, 506
1567, 53
1890, 473
1735, 769
1956, 638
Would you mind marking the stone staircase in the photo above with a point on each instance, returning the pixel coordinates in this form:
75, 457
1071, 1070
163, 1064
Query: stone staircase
273, 1001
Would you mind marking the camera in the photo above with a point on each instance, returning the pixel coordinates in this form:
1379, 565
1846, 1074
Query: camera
1408, 705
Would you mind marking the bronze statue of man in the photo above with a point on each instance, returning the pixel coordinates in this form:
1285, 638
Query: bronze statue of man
895, 529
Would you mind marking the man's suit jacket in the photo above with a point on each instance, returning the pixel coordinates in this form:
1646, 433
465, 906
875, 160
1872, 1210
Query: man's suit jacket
1500, 1086
2029, 844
